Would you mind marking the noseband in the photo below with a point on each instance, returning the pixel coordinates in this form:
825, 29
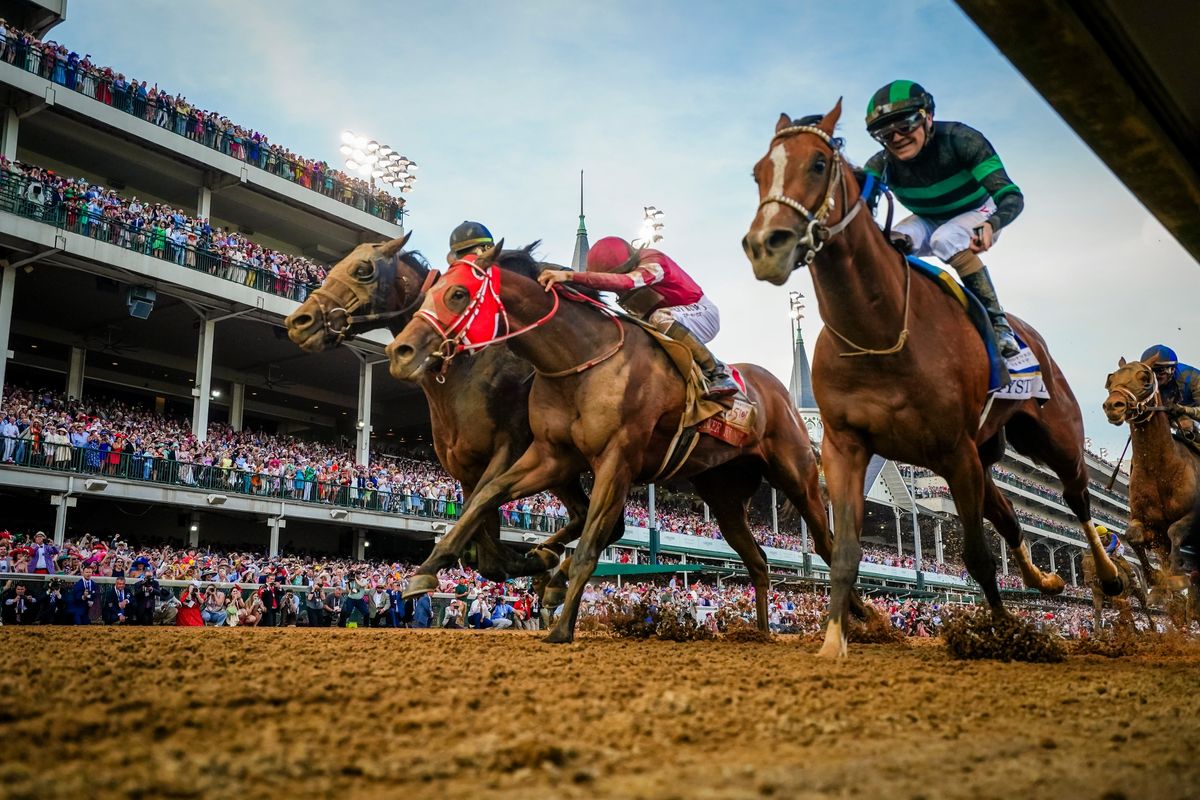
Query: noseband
816, 231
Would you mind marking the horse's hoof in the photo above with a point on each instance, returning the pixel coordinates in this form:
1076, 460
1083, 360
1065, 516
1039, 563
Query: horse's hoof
832, 650
1052, 584
419, 584
558, 637
1114, 587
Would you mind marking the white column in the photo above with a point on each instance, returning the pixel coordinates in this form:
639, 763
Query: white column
362, 451
774, 512
61, 504
202, 388
1003, 556
275, 523
194, 530
1074, 578
8, 283
652, 517
937, 542
75, 372
360, 544
706, 513
237, 405
204, 202
1053, 567
899, 538
8, 134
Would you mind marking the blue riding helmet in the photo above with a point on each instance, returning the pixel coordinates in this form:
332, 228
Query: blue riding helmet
1165, 356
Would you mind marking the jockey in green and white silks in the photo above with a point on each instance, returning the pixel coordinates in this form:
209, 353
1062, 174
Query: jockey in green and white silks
950, 177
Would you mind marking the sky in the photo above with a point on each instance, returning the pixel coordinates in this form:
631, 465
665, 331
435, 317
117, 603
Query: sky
667, 103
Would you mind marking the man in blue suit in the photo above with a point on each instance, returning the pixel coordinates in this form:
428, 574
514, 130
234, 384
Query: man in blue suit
423, 611
83, 596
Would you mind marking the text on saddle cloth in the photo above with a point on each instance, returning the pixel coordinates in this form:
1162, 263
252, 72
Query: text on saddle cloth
1025, 378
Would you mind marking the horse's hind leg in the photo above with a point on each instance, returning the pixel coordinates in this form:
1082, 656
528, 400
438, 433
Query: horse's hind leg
1000, 513
726, 490
1055, 439
967, 483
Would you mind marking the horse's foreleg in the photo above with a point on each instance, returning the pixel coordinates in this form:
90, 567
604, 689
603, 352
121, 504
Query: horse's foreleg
554, 589
546, 556
533, 472
1177, 534
999, 511
845, 457
607, 506
965, 478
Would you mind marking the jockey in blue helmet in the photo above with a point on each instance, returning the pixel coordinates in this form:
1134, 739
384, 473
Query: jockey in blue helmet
1178, 386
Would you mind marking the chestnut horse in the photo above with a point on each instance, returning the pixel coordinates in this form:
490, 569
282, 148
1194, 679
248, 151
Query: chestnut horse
1164, 481
605, 396
477, 407
898, 370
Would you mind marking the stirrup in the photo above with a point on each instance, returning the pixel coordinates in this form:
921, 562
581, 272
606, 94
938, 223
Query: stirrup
721, 385
1007, 342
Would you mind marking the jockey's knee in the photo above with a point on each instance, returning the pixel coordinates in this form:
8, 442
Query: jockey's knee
965, 263
662, 320
948, 241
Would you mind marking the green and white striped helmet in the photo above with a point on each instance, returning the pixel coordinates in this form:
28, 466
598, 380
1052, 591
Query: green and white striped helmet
897, 99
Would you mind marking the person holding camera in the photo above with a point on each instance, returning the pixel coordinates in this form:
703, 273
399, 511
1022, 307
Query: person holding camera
144, 592
190, 602
19, 606
272, 599
314, 602
213, 612
117, 604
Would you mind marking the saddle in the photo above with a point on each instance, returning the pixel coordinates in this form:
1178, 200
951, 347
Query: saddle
1018, 378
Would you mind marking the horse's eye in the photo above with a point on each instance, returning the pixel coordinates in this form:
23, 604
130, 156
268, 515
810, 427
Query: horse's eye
365, 271
819, 165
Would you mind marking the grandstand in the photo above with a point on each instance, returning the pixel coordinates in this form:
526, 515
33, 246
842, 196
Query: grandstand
151, 252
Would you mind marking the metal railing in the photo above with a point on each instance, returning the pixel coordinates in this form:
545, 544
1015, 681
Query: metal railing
156, 242
203, 128
350, 493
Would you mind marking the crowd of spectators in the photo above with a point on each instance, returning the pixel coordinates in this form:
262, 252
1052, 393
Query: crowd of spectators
154, 229
250, 589
173, 112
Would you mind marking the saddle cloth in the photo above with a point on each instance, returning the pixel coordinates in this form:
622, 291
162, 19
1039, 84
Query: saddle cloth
1024, 373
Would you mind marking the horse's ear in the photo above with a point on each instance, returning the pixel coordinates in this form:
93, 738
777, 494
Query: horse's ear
1150, 362
830, 120
489, 256
1122, 362
784, 122
394, 246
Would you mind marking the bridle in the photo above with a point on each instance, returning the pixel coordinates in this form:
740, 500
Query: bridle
337, 320
454, 332
816, 230
1139, 410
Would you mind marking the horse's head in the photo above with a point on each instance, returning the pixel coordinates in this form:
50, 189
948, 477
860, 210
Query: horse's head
1132, 390
798, 181
372, 279
461, 311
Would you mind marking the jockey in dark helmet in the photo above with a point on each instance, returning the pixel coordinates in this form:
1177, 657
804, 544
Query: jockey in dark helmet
949, 176
469, 237
650, 285
1178, 385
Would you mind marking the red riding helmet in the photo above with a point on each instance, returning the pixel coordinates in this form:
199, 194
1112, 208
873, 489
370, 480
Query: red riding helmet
611, 254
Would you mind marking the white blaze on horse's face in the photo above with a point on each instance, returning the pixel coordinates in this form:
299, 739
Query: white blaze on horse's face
779, 158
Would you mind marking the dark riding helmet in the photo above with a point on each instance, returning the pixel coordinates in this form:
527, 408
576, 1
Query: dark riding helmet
467, 237
1165, 358
895, 100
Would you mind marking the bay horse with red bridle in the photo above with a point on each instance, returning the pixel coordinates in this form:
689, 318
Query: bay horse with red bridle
605, 397
477, 405
899, 370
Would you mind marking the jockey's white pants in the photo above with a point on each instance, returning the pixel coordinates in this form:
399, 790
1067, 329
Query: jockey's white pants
946, 239
701, 318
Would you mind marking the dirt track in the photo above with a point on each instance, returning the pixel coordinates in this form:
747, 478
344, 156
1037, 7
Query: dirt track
193, 712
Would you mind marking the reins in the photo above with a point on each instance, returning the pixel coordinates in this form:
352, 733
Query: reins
817, 233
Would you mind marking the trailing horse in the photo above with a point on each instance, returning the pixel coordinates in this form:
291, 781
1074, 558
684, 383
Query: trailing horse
1164, 480
607, 397
1120, 602
477, 406
900, 371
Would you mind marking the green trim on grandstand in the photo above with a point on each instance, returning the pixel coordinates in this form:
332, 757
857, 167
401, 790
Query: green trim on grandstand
605, 569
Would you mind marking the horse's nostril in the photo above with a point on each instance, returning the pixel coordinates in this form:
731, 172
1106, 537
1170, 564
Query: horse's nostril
403, 352
302, 320
780, 239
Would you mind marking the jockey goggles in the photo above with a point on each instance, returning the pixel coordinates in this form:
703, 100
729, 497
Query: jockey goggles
902, 125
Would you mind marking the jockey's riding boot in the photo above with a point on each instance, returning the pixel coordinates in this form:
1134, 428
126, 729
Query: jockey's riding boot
716, 374
980, 284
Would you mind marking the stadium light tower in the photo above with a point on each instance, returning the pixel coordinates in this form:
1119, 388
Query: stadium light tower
376, 161
652, 226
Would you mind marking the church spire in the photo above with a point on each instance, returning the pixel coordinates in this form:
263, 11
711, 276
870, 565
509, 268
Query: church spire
579, 259
800, 387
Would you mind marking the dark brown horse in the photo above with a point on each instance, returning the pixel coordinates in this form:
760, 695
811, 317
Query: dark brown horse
478, 405
606, 398
899, 370
1164, 481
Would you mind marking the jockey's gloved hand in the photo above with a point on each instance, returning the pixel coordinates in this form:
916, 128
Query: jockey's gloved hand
1189, 411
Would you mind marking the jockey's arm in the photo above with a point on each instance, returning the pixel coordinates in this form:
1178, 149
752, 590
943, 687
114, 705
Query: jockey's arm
646, 274
875, 184
978, 155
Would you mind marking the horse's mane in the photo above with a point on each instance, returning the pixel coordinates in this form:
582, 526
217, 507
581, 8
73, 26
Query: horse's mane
523, 262
417, 261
